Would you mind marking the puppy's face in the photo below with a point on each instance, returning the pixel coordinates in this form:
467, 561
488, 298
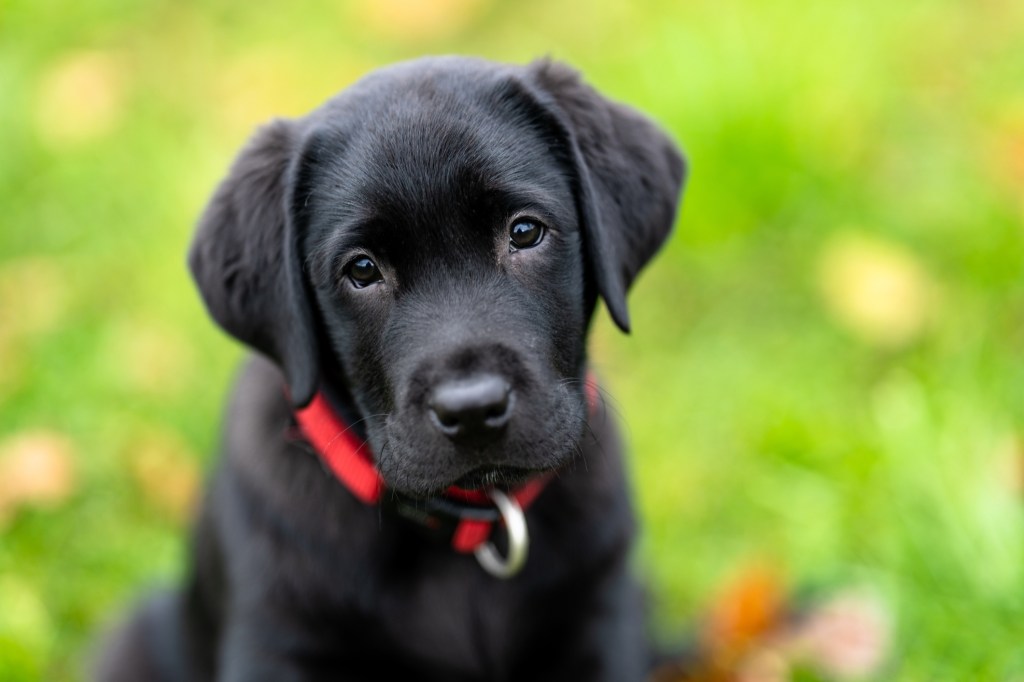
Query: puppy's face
447, 266
442, 240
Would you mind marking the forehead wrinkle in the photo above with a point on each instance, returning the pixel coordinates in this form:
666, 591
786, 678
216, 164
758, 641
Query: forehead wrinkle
422, 165
329, 193
420, 172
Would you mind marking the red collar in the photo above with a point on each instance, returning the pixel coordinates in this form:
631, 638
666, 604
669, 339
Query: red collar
348, 458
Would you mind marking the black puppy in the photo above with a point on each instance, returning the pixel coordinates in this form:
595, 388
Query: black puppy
419, 259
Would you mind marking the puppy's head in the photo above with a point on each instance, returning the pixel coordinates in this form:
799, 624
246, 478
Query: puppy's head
435, 239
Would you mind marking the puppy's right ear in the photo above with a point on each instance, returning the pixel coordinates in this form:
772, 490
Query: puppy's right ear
244, 258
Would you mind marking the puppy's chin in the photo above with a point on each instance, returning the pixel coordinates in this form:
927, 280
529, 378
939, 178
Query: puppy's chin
501, 477
420, 476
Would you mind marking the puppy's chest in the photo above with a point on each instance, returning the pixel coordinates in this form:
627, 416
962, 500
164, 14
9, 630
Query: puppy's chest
459, 619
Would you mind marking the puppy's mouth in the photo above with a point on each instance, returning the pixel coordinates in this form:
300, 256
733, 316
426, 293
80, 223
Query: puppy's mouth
501, 477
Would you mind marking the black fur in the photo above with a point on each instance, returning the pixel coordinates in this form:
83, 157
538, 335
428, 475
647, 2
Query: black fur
421, 167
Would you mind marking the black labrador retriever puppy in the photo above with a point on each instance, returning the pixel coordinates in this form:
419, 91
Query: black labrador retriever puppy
417, 263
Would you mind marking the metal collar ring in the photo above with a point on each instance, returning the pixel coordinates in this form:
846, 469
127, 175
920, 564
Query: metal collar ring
518, 539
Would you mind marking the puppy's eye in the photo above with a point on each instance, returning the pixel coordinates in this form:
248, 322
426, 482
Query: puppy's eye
525, 234
363, 272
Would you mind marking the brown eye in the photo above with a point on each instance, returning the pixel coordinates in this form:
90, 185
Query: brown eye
525, 234
363, 272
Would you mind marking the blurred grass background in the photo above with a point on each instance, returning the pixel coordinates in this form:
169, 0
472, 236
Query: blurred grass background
824, 376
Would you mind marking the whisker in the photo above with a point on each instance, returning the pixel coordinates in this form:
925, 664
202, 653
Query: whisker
351, 426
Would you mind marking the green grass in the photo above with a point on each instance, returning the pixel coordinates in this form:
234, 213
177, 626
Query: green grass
774, 416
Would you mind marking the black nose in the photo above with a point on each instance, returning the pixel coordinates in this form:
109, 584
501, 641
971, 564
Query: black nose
472, 409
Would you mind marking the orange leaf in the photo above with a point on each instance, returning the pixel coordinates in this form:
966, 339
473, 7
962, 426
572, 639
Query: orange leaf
749, 608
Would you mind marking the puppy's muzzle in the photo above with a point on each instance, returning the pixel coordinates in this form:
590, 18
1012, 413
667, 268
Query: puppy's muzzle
471, 410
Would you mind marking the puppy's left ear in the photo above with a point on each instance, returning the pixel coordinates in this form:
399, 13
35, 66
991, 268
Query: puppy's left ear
244, 258
630, 175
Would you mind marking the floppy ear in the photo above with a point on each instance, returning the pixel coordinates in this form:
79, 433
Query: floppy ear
244, 259
630, 175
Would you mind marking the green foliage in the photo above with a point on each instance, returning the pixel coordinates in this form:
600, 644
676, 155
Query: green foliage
824, 374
